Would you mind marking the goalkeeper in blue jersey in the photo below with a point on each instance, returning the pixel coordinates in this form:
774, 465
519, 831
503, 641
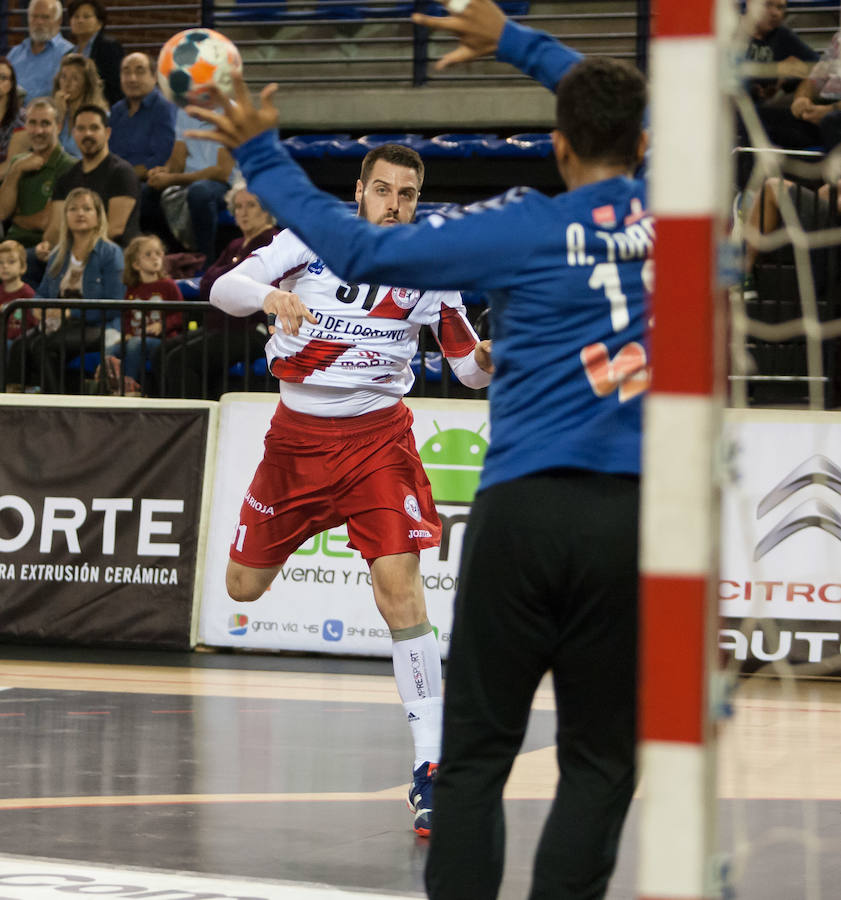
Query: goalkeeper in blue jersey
548, 577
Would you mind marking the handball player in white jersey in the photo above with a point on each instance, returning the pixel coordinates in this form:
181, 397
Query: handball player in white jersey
340, 446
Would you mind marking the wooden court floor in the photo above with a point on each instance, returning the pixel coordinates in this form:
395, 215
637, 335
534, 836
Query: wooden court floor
182, 776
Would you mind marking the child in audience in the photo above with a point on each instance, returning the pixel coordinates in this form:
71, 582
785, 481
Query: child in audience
12, 287
145, 280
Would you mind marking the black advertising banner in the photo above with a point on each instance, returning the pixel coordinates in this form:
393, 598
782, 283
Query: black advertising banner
99, 523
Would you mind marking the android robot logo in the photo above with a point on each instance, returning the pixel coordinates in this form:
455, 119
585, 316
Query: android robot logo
453, 462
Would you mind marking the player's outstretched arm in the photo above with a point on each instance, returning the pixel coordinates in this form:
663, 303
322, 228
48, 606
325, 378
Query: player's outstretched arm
236, 120
482, 28
478, 26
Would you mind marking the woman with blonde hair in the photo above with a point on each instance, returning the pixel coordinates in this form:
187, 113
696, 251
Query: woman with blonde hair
84, 264
77, 83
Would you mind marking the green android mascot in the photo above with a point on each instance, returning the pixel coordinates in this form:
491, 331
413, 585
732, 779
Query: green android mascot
453, 462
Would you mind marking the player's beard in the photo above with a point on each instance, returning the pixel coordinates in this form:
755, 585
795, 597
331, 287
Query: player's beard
363, 214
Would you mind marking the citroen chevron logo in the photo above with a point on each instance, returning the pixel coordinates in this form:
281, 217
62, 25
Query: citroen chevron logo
812, 513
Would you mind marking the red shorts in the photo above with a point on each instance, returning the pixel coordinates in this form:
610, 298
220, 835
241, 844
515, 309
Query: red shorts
318, 473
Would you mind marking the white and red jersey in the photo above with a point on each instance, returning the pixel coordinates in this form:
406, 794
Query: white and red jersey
356, 358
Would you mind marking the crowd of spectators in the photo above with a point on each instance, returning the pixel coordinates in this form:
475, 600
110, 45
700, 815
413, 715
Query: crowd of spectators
81, 121
796, 94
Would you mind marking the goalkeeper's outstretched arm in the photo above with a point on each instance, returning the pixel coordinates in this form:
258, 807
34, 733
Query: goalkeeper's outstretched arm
483, 30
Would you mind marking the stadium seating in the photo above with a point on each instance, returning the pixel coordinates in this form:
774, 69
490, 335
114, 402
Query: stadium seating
339, 9
314, 146
443, 146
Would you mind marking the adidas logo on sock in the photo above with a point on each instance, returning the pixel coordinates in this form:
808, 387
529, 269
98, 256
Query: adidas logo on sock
413, 718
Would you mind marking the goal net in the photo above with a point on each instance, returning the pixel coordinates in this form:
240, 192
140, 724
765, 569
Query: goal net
741, 528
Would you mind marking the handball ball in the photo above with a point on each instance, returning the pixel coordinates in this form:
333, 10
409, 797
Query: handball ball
193, 61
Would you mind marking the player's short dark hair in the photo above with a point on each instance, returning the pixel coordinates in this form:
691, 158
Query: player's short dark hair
599, 109
98, 8
92, 108
397, 155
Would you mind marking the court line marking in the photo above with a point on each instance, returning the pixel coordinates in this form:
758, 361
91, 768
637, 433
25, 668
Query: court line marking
37, 878
533, 777
253, 684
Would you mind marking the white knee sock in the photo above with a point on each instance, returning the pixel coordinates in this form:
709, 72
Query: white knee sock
417, 670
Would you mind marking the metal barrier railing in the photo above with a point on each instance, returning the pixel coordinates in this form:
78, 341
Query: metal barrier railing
212, 354
67, 359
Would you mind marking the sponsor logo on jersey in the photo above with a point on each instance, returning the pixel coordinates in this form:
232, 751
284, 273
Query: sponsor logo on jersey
412, 507
316, 267
254, 503
637, 212
419, 533
405, 298
605, 216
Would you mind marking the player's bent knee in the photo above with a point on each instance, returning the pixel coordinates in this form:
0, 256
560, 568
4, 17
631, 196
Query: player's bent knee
247, 585
235, 592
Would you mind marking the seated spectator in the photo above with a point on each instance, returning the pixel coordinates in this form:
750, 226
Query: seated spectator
145, 280
814, 117
815, 210
258, 227
12, 135
85, 264
12, 287
26, 191
76, 84
142, 124
779, 48
246, 337
112, 178
37, 57
87, 27
193, 183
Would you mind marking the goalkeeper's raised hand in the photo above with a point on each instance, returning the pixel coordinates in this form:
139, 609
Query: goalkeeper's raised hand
236, 120
478, 25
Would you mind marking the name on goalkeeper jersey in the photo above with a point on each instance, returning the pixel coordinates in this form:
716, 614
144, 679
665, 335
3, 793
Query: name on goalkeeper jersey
634, 241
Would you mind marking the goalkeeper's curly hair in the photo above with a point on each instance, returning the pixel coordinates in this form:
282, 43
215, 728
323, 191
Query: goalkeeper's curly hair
600, 107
